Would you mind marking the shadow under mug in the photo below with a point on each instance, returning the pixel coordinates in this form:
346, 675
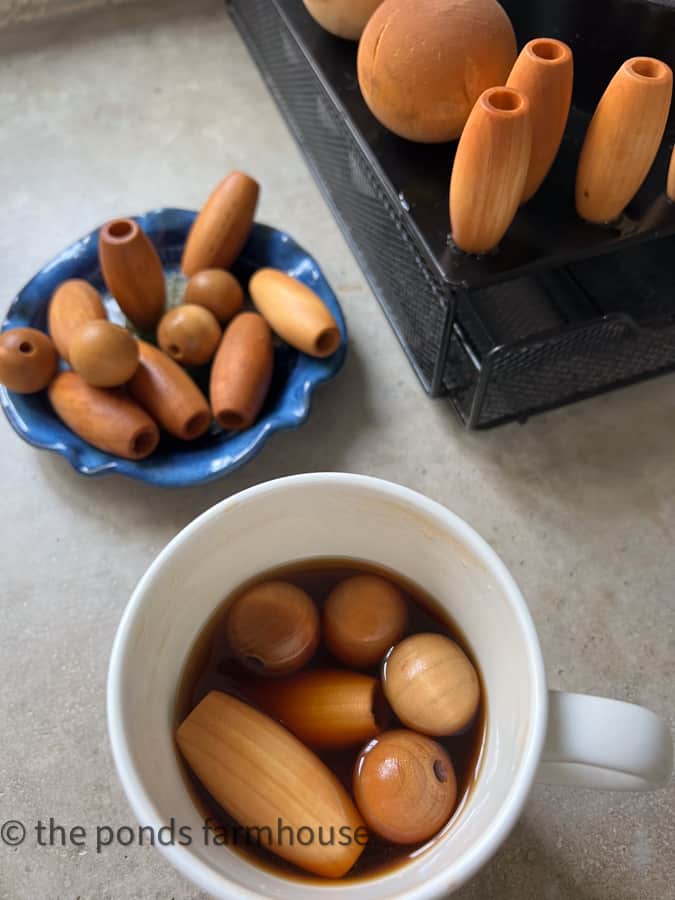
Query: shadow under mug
532, 734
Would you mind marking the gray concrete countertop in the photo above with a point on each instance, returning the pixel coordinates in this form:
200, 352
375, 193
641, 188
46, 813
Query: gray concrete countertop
148, 105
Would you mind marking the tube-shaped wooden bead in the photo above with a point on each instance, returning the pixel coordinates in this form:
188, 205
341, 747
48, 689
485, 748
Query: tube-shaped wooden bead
327, 709
106, 419
295, 312
242, 371
74, 303
623, 138
490, 169
544, 73
133, 272
262, 776
168, 393
222, 227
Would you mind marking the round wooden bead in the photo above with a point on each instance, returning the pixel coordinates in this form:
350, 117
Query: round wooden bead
190, 334
28, 360
215, 290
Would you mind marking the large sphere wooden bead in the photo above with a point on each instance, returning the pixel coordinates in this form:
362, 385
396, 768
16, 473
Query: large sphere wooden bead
215, 290
431, 684
104, 354
405, 786
273, 628
363, 616
28, 360
189, 334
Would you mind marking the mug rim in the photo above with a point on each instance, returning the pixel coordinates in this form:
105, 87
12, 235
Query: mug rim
182, 858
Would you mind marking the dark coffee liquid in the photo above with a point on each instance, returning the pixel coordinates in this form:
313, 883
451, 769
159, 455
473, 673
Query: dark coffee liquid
211, 666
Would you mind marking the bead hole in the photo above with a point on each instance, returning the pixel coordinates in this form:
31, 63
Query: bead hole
504, 100
547, 50
440, 771
143, 443
328, 341
197, 424
120, 229
648, 68
26, 348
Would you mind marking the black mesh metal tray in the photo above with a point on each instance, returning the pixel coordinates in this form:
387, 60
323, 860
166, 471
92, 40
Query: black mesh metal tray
563, 310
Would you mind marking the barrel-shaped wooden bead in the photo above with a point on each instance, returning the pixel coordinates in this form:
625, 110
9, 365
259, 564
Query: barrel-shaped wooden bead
107, 419
295, 312
133, 272
242, 371
74, 303
28, 360
623, 138
265, 777
670, 184
490, 169
168, 393
544, 73
220, 230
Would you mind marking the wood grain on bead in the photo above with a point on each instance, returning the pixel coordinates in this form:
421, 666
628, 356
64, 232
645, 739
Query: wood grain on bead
670, 183
326, 709
104, 354
490, 169
405, 786
544, 73
362, 617
107, 419
28, 360
261, 774
221, 229
431, 684
190, 334
73, 303
273, 628
168, 393
133, 272
295, 312
623, 138
215, 290
242, 372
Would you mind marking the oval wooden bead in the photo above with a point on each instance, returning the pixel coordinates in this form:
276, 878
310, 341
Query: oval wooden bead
670, 184
104, 354
362, 617
623, 138
544, 73
28, 360
73, 303
221, 229
431, 684
325, 709
273, 628
295, 312
490, 169
169, 394
190, 334
405, 786
106, 419
242, 371
215, 290
262, 775
133, 272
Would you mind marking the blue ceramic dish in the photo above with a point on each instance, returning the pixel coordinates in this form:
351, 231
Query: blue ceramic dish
177, 464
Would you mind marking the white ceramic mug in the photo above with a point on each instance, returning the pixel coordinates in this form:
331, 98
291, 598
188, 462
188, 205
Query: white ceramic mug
532, 734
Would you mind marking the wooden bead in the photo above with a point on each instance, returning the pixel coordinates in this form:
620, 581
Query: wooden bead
133, 272
490, 169
670, 184
273, 628
28, 360
405, 786
189, 334
345, 20
242, 372
264, 777
295, 312
105, 355
73, 303
106, 419
325, 709
168, 393
221, 229
623, 138
362, 618
544, 73
431, 684
215, 290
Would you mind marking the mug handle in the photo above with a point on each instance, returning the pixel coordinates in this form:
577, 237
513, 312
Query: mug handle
593, 742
